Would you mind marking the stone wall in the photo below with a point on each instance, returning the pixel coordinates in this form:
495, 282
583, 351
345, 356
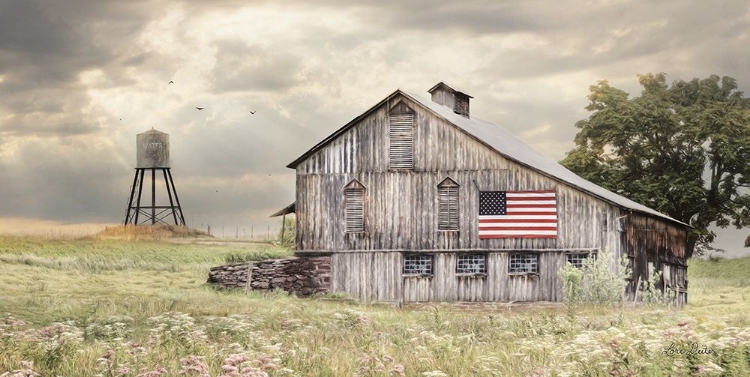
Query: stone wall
301, 276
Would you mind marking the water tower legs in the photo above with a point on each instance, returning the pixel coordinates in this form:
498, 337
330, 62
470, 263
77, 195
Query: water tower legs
153, 214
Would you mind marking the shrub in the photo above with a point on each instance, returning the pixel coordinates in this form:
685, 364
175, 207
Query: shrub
595, 282
572, 278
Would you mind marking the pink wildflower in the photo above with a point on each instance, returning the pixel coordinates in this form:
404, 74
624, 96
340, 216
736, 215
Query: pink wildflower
252, 372
363, 320
194, 366
152, 373
27, 370
123, 371
229, 368
397, 369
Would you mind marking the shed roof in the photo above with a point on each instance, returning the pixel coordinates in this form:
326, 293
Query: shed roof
286, 210
507, 145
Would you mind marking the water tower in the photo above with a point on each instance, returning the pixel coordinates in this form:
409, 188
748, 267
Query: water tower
153, 154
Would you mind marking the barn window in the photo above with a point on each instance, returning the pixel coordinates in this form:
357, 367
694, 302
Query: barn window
524, 263
448, 205
401, 135
354, 207
418, 264
576, 259
471, 264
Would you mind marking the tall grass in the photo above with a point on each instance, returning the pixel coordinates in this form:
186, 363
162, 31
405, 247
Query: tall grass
89, 308
114, 255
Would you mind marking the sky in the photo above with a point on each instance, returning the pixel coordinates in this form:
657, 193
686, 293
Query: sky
80, 78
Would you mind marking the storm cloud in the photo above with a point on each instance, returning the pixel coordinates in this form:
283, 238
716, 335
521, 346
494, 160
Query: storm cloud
80, 78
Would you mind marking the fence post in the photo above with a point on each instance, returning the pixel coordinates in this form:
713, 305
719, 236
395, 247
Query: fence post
249, 275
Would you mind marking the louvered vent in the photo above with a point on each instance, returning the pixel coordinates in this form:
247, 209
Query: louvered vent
401, 153
448, 205
354, 197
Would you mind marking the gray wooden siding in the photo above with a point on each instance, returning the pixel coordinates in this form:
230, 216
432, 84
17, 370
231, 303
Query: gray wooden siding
367, 276
364, 147
408, 218
401, 206
444, 97
378, 276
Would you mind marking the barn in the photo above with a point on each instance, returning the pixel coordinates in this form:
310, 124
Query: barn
418, 200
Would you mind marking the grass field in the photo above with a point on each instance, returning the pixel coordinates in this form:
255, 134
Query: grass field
140, 308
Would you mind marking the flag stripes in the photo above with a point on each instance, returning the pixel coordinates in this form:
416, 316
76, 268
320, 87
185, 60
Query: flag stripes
517, 214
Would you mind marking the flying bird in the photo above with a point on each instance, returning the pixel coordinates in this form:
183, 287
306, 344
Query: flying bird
253, 112
200, 108
170, 82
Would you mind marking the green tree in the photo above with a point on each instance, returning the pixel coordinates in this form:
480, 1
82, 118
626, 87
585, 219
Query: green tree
683, 150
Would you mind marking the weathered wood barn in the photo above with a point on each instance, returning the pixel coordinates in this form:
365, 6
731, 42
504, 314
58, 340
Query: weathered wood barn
417, 200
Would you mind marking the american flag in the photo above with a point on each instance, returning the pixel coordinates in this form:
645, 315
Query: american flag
517, 214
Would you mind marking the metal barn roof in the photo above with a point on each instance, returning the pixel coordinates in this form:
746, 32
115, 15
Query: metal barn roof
507, 145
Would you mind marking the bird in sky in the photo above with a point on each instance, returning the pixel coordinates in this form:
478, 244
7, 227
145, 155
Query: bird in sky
253, 112
170, 82
200, 108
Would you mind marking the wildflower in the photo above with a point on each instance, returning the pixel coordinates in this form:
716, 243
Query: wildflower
363, 320
252, 372
710, 368
538, 372
229, 369
12, 323
144, 372
27, 370
266, 362
235, 359
194, 365
397, 369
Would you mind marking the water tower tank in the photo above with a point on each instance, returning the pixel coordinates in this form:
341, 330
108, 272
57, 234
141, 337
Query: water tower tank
152, 149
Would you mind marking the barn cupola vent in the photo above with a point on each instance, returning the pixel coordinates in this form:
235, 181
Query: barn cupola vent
452, 98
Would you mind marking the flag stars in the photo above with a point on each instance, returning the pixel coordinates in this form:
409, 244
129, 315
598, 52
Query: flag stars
492, 203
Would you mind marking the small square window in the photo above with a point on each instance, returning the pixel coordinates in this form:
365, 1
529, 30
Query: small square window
524, 263
418, 265
577, 259
471, 264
